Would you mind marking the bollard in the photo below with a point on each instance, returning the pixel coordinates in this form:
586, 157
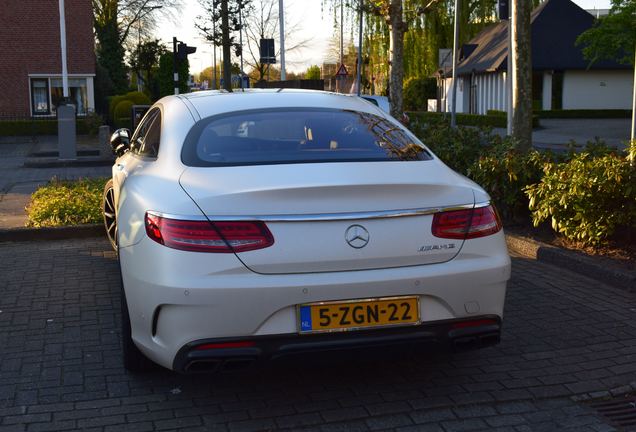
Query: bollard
66, 137
105, 151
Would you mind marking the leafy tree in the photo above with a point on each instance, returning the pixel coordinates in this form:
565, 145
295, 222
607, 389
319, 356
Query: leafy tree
313, 73
144, 60
110, 54
613, 36
166, 78
113, 21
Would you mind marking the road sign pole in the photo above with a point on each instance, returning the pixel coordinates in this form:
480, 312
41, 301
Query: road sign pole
175, 74
281, 16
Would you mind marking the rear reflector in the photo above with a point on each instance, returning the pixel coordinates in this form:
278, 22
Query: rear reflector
466, 224
475, 323
225, 345
205, 236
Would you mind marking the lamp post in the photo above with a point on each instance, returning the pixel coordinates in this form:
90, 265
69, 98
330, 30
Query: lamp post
281, 17
63, 48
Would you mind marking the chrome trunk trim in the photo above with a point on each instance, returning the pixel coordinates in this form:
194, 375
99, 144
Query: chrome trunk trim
323, 217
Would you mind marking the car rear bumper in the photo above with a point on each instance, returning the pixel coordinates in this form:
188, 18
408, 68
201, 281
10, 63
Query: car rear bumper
455, 335
175, 298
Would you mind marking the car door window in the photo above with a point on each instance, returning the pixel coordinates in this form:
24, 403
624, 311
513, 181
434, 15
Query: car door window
147, 137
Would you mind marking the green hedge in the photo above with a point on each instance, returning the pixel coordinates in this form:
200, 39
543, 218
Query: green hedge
39, 127
134, 97
62, 203
491, 120
574, 114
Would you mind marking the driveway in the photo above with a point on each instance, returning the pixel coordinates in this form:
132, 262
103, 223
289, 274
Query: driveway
564, 336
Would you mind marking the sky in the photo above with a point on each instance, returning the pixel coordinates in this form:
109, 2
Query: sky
315, 25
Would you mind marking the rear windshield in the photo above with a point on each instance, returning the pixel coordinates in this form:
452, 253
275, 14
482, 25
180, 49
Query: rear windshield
298, 136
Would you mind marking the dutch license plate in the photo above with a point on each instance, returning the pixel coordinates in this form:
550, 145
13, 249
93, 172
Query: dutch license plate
356, 314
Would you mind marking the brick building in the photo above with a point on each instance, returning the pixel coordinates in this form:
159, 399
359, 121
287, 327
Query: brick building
31, 59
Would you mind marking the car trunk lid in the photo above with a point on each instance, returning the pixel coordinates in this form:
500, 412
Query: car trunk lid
335, 216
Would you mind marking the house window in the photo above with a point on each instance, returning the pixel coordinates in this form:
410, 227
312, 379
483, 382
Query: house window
77, 93
40, 96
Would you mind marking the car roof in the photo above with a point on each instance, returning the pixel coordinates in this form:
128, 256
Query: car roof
213, 102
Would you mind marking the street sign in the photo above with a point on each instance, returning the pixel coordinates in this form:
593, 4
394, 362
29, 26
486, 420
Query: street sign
503, 9
268, 54
342, 71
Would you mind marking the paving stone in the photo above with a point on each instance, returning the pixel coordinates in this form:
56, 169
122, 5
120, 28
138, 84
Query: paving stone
66, 374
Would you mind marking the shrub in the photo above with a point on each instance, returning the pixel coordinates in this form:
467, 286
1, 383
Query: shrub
459, 148
417, 91
113, 101
586, 198
92, 122
138, 98
135, 97
504, 173
123, 111
38, 127
62, 203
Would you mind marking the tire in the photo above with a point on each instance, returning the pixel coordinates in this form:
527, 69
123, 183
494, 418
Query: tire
109, 213
134, 360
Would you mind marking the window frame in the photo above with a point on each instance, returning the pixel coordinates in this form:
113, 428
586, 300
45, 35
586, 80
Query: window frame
47, 81
188, 149
153, 115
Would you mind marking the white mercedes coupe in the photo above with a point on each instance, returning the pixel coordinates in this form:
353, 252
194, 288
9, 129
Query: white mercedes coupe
262, 223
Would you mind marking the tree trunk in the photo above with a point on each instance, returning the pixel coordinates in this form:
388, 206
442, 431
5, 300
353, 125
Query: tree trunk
521, 74
225, 41
396, 52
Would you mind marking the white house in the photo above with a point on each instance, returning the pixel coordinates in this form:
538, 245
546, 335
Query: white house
562, 78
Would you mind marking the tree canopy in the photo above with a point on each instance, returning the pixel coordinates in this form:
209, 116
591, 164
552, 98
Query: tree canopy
613, 37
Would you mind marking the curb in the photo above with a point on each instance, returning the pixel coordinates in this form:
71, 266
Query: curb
51, 233
574, 261
54, 162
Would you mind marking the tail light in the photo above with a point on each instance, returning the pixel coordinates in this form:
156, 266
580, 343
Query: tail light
206, 236
466, 224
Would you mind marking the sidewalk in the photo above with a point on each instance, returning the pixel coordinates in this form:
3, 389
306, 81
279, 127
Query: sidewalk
556, 134
17, 183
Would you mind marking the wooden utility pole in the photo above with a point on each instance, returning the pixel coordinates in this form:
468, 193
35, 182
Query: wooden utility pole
521, 74
225, 41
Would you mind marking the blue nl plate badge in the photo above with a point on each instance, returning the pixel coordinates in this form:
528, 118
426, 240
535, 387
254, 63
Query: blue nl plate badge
305, 318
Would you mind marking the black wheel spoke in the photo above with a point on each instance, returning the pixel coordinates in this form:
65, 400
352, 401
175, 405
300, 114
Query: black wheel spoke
110, 220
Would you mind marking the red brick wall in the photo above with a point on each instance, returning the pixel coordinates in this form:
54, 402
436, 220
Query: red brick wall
30, 36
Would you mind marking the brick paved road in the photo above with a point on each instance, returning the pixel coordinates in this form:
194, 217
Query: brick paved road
60, 361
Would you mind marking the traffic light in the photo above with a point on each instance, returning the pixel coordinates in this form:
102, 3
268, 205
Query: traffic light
183, 50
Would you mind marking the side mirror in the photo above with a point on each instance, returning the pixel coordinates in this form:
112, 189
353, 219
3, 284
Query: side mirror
120, 141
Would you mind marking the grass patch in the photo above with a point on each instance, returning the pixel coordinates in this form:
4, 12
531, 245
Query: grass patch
63, 203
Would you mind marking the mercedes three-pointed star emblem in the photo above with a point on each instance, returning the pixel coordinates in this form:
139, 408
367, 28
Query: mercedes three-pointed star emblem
357, 236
